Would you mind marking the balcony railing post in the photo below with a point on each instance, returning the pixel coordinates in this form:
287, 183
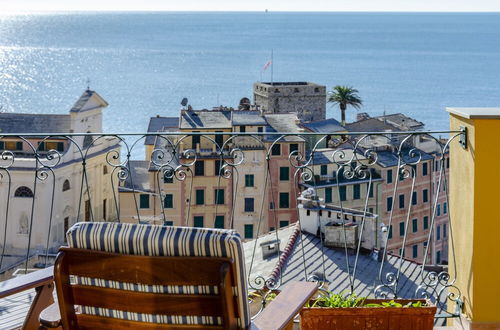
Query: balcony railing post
474, 191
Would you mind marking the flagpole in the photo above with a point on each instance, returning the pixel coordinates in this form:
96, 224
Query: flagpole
272, 65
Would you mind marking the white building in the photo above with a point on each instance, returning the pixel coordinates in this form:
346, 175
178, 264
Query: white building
38, 195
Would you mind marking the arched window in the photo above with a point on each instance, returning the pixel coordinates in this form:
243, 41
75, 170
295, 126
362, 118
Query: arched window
23, 191
66, 185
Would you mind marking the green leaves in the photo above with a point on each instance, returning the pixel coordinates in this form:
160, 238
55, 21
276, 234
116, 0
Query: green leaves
332, 300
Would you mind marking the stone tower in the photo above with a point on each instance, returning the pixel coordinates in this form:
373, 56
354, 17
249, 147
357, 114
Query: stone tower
306, 99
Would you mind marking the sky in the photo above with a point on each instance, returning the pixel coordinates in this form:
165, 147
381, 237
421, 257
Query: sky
249, 5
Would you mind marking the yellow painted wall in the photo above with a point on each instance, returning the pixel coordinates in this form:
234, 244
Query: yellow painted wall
474, 184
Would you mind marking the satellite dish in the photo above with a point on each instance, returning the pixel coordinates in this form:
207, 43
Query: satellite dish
184, 102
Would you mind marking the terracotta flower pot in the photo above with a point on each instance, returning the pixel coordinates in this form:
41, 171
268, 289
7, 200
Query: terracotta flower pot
375, 318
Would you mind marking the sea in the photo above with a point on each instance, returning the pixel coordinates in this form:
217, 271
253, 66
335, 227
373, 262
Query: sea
145, 63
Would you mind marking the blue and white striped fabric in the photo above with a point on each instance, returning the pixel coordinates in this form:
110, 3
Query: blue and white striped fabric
150, 240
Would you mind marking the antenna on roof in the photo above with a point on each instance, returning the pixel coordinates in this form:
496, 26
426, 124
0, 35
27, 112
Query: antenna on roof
88, 84
184, 101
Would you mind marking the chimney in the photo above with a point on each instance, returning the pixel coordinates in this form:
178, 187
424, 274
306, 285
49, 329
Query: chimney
362, 116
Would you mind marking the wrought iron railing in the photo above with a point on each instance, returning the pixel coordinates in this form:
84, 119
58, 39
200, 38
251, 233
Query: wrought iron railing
49, 182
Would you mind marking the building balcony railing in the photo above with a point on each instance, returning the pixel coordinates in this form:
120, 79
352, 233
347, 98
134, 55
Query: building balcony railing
268, 191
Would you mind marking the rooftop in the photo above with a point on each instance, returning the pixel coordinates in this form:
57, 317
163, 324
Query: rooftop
203, 119
34, 123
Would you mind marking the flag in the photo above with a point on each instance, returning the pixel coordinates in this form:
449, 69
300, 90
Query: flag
267, 65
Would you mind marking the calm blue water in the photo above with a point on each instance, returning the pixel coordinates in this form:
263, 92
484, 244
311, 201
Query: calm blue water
143, 64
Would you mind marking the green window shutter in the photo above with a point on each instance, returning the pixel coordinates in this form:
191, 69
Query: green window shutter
249, 180
389, 176
168, 202
198, 221
415, 251
284, 200
219, 197
328, 195
2, 145
199, 168
168, 223
60, 146
276, 149
401, 229
343, 193
414, 225
249, 204
284, 223
284, 173
200, 197
370, 193
219, 221
389, 236
424, 169
19, 145
324, 169
41, 146
217, 168
426, 222
249, 231
389, 204
414, 198
425, 195
144, 201
401, 201
356, 191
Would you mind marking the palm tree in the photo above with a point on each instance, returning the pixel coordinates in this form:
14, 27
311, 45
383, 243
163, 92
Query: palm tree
344, 96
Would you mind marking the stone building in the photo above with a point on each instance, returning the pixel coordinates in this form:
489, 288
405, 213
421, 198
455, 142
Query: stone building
306, 99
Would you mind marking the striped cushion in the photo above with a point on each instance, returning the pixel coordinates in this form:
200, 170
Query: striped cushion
150, 240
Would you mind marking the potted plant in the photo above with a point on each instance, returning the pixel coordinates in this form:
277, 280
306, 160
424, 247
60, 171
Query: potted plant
337, 311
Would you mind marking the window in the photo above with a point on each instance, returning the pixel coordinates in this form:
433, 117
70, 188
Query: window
426, 222
324, 169
200, 197
438, 233
356, 191
104, 170
249, 204
414, 225
444, 230
66, 227
219, 139
198, 221
415, 251
389, 236
195, 140
401, 201
284, 200
294, 147
389, 204
370, 192
439, 210
389, 176
414, 198
219, 197
445, 208
104, 209
248, 231
425, 244
424, 169
217, 168
66, 186
249, 182
328, 195
414, 173
243, 129
276, 149
401, 228
144, 201
436, 165
343, 193
425, 196
438, 257
447, 163
219, 222
168, 202
199, 168
284, 173
260, 129
168, 223
271, 205
167, 178
23, 191
284, 223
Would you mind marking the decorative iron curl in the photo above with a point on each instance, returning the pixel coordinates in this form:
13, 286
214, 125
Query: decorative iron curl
262, 283
7, 156
42, 173
52, 158
112, 156
295, 158
388, 288
122, 173
237, 155
159, 157
189, 154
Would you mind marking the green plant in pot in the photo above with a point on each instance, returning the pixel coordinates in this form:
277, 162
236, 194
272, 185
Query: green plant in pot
341, 311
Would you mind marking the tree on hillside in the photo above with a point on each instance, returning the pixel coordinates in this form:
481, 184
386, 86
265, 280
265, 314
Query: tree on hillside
344, 96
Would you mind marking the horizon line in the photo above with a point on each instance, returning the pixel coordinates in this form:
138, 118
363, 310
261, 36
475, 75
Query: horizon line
246, 11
